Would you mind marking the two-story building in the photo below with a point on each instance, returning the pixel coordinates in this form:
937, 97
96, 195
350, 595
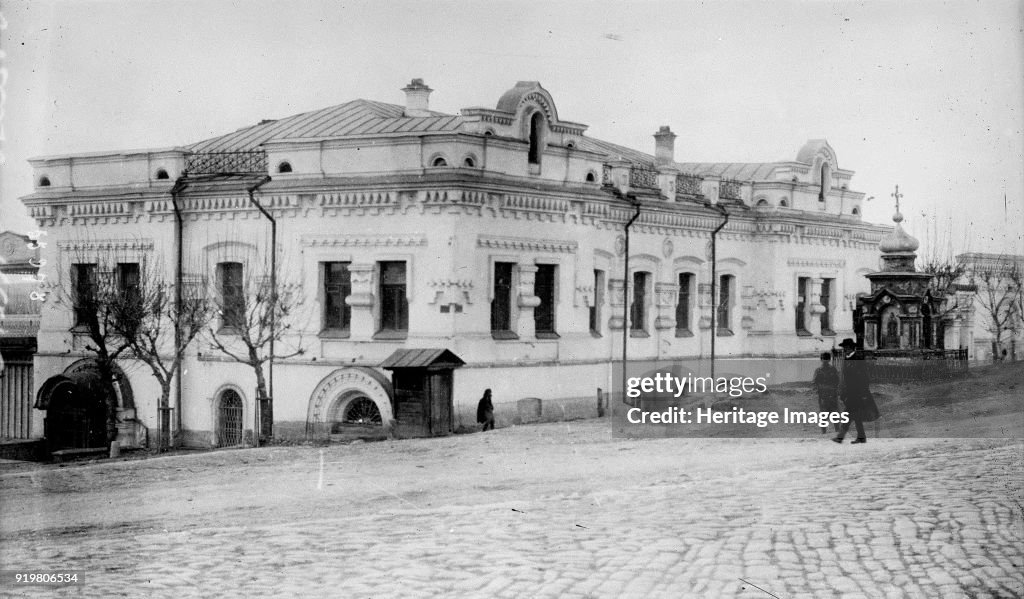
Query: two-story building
495, 233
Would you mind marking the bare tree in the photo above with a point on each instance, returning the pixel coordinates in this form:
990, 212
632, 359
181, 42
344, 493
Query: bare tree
148, 318
253, 319
998, 297
93, 290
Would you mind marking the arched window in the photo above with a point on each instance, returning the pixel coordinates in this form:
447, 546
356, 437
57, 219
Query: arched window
536, 137
488, 133
762, 202
784, 203
229, 419
469, 162
826, 181
571, 145
44, 181
855, 211
591, 177
284, 167
439, 161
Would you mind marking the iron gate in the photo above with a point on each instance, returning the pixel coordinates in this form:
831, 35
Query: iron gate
229, 419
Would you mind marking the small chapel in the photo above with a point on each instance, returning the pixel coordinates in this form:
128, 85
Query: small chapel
901, 313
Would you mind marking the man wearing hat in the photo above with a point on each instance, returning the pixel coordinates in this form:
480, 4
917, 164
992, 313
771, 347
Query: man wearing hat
855, 392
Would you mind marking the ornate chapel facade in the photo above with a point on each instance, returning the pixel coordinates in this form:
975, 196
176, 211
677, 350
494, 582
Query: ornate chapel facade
496, 234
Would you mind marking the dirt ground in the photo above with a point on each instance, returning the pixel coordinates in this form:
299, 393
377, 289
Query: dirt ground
560, 509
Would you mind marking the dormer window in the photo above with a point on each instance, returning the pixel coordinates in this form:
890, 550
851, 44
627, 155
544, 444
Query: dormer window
44, 181
162, 174
284, 167
536, 137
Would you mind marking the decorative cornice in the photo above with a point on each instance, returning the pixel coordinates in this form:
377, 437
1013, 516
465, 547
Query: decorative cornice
93, 245
413, 240
527, 244
816, 263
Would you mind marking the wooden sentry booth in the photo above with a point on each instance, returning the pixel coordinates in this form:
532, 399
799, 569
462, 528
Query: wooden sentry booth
422, 382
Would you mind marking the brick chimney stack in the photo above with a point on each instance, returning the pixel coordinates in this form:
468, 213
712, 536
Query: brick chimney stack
417, 98
664, 146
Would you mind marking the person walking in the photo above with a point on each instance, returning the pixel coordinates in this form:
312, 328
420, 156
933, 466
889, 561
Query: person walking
485, 411
826, 383
855, 391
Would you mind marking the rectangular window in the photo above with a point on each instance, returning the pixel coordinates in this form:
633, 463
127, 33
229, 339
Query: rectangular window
84, 284
595, 310
724, 324
826, 300
229, 282
544, 288
394, 307
501, 305
803, 288
683, 307
638, 310
128, 280
128, 288
337, 286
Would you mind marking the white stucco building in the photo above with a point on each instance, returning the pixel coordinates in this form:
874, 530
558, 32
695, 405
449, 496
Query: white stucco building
495, 233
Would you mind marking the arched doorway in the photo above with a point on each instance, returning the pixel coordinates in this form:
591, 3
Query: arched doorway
230, 419
76, 411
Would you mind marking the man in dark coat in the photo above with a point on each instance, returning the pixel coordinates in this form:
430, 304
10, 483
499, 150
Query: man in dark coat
485, 411
826, 383
855, 392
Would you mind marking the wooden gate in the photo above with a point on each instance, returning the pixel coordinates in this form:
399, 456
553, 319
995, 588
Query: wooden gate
229, 419
16, 398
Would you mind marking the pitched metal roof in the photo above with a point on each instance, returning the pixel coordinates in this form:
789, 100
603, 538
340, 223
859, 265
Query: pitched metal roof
358, 117
614, 151
740, 171
421, 358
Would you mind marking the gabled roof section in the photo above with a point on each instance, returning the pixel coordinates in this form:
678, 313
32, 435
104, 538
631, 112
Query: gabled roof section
358, 117
422, 358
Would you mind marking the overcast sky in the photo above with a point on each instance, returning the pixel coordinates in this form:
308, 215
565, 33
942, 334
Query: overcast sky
927, 95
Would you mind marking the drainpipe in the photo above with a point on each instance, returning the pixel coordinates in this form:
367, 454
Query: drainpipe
714, 280
165, 422
273, 329
625, 291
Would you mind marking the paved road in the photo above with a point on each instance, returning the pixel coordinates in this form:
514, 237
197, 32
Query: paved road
559, 510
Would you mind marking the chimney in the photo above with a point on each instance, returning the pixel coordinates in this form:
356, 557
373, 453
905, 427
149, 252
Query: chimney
664, 146
417, 98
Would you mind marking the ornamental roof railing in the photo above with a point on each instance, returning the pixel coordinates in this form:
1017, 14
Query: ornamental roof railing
688, 184
226, 163
729, 189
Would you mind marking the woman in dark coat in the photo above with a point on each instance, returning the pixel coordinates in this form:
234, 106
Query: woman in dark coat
485, 411
855, 392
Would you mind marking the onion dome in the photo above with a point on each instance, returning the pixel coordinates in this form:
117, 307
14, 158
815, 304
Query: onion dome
898, 241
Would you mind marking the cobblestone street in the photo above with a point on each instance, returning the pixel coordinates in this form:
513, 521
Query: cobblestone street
555, 510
